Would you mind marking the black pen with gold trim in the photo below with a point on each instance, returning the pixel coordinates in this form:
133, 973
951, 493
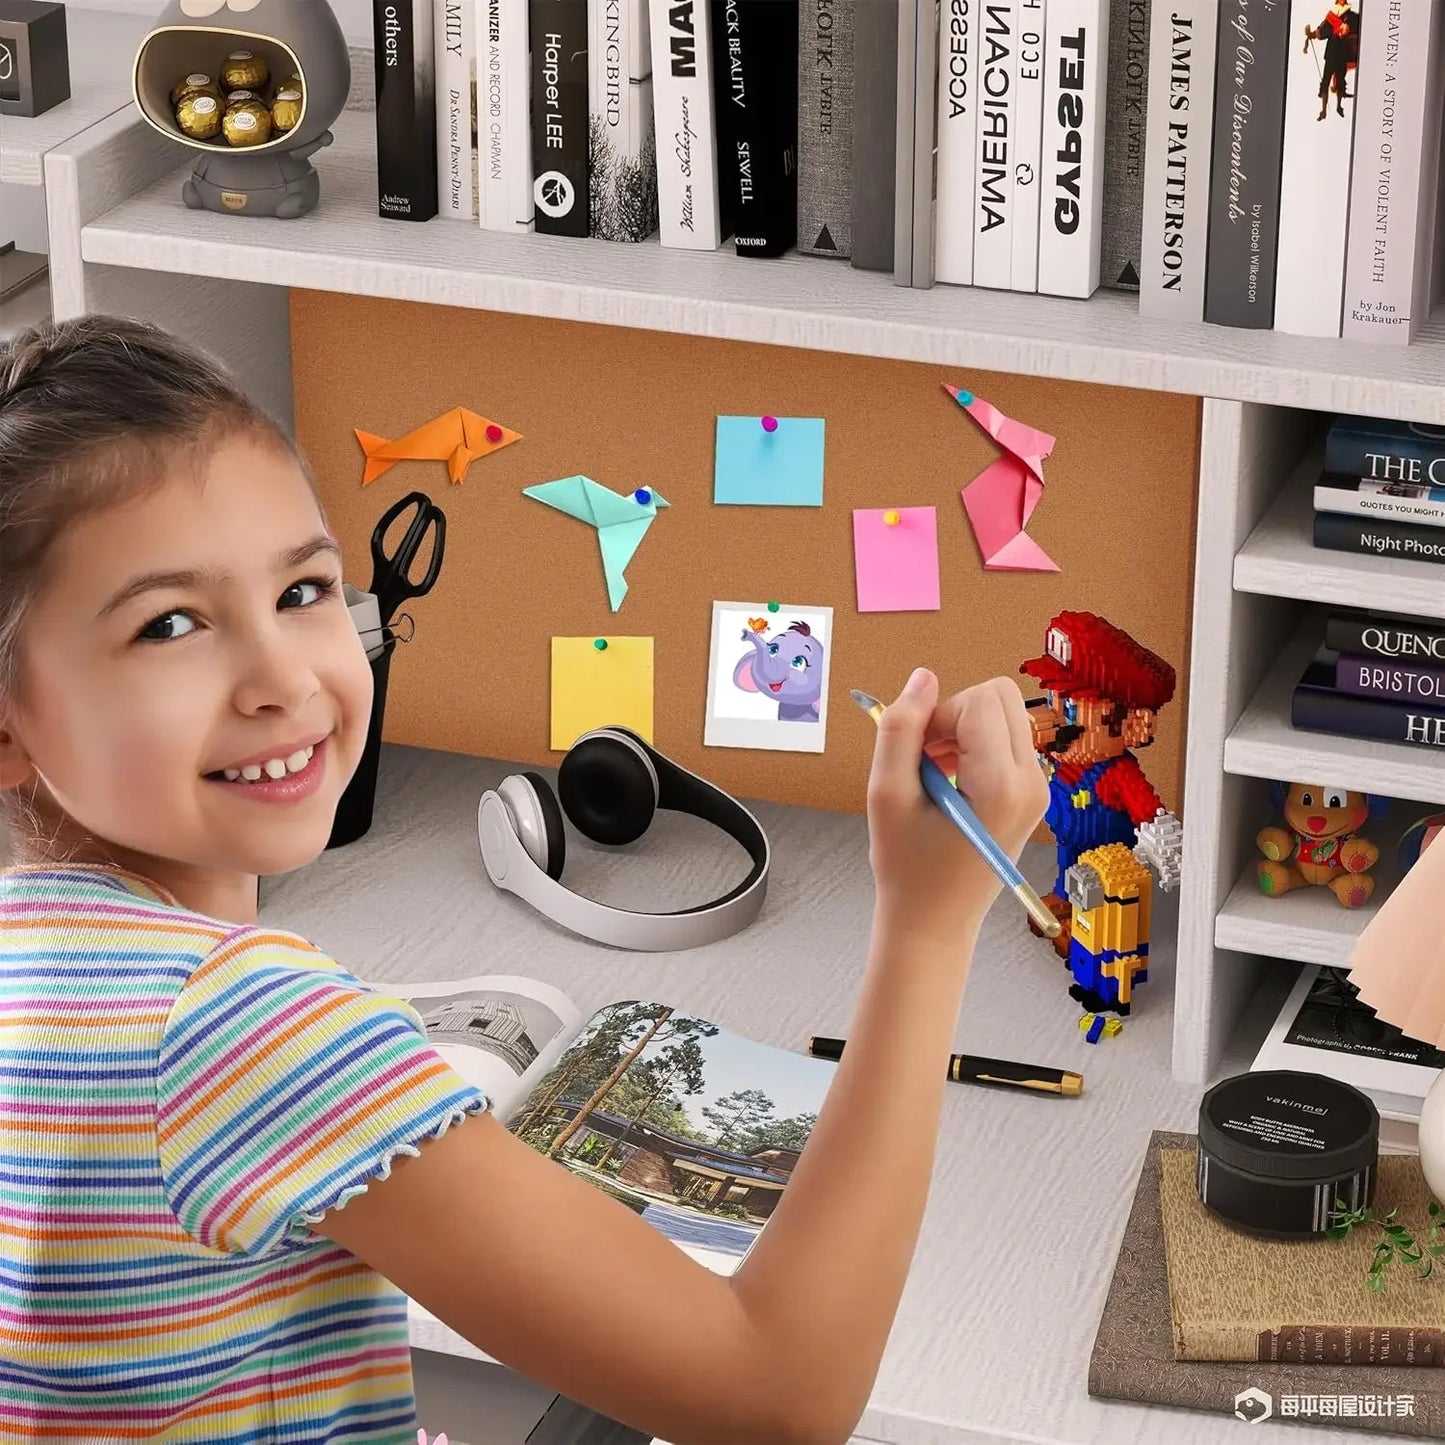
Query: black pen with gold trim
974, 1069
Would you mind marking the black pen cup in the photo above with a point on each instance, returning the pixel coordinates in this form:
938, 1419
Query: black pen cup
353, 812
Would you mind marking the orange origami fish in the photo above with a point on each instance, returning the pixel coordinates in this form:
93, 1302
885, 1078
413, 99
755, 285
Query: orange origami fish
457, 437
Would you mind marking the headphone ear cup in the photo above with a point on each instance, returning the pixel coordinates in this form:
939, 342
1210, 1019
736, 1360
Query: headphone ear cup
552, 828
608, 789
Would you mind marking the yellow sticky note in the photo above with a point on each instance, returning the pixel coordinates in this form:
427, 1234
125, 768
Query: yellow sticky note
599, 687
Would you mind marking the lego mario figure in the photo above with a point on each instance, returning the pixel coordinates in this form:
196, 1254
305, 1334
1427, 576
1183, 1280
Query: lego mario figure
1102, 691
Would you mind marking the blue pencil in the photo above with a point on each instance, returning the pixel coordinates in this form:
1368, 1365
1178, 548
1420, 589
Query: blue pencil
957, 809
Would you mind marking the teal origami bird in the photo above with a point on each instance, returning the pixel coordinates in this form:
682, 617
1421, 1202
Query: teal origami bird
621, 521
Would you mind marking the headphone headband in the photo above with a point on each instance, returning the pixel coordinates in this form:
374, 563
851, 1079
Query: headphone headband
511, 866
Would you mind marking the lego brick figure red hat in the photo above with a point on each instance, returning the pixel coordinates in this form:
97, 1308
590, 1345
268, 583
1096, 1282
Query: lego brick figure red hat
1084, 656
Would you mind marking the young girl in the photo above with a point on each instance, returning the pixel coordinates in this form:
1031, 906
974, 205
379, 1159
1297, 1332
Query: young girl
223, 1158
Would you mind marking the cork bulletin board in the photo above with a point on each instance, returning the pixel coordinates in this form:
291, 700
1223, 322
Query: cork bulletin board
638, 408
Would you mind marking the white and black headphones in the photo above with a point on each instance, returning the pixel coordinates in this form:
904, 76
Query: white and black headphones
610, 786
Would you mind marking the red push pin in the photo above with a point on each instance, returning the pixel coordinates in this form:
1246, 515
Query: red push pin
770, 423
494, 432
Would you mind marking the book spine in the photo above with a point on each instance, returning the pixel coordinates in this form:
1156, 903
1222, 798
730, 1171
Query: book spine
1028, 144
1369, 677
1358, 452
682, 98
958, 98
916, 228
993, 216
560, 117
1076, 52
504, 85
456, 71
825, 126
1322, 710
1314, 194
1180, 125
1385, 637
1126, 119
873, 188
1396, 152
1369, 535
1314, 1344
1364, 501
622, 148
1248, 141
406, 124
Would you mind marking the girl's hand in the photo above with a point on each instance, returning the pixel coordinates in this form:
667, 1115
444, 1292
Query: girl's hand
931, 880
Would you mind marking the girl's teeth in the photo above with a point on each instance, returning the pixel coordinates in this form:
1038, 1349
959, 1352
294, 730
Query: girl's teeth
275, 768
251, 772
272, 768
298, 760
231, 774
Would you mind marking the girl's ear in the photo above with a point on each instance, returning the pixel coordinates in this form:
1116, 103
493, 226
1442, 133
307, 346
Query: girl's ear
15, 765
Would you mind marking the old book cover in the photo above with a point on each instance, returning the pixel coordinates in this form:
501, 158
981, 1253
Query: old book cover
1133, 1355
1128, 107
825, 127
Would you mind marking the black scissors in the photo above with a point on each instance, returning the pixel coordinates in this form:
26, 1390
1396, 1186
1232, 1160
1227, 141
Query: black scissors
391, 576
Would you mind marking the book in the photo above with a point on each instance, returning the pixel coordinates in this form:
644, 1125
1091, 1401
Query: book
693, 1127
406, 125
1371, 677
1317, 706
1235, 1296
1243, 240
825, 126
994, 159
1319, 136
622, 148
1417, 502
873, 183
1391, 260
504, 116
561, 188
1379, 537
1028, 86
915, 153
957, 130
689, 211
456, 108
1179, 129
1127, 107
1391, 451
1076, 50
1378, 634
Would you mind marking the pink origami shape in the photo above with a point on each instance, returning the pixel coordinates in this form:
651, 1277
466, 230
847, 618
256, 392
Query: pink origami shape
1001, 499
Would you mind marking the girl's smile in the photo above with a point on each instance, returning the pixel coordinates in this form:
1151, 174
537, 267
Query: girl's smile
280, 775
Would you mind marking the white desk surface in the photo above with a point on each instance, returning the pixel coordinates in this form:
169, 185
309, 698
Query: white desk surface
1030, 1194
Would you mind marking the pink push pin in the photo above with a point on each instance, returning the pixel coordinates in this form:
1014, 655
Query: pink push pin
770, 423
494, 433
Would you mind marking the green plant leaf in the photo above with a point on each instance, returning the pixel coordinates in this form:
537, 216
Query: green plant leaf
1375, 1282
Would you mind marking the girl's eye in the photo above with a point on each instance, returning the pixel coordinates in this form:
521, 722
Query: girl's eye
165, 627
307, 593
800, 662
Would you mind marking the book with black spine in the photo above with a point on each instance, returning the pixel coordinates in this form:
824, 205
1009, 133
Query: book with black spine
504, 116
874, 186
1374, 537
1028, 82
1125, 126
560, 117
622, 148
1415, 502
690, 215
1177, 148
957, 131
1317, 705
1243, 243
1391, 451
993, 214
406, 123
825, 126
1380, 634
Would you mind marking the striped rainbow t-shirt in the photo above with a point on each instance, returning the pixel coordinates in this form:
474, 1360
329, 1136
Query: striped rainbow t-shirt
179, 1097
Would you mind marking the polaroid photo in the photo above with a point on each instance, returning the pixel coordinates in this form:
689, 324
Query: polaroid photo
767, 684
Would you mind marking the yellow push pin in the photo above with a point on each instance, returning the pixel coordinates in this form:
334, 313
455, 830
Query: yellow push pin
891, 519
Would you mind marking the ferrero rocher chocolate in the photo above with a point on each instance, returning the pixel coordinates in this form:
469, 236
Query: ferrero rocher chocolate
247, 124
199, 116
286, 109
193, 84
244, 71
237, 96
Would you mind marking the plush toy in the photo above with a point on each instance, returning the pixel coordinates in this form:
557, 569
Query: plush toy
1319, 843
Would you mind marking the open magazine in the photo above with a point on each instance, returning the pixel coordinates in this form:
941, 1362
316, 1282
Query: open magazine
694, 1128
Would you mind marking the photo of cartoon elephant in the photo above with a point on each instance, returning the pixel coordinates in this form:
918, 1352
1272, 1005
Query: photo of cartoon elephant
787, 668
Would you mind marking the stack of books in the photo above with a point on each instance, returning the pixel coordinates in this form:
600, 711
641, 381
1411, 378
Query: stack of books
1376, 677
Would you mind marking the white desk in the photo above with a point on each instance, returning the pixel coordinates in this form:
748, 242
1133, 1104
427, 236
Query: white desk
993, 1336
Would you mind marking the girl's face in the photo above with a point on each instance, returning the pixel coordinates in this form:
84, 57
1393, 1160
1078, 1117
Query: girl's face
183, 644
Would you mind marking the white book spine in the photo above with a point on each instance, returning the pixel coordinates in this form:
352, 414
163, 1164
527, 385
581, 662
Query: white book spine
958, 98
682, 90
1388, 257
1314, 200
1028, 144
454, 39
1183, 40
1360, 503
1076, 57
994, 155
504, 123
624, 156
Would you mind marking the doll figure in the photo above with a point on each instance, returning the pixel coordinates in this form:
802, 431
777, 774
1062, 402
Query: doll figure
1319, 843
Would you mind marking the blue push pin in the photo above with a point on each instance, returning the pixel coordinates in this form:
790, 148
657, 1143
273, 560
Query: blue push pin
965, 398
642, 496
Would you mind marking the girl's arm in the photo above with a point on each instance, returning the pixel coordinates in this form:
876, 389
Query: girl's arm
572, 1289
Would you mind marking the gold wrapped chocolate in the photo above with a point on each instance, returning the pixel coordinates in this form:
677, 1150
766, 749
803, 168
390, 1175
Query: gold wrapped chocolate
199, 116
248, 124
286, 109
244, 71
194, 84
237, 96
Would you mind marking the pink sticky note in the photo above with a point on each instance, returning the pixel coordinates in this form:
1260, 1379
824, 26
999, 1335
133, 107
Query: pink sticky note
896, 566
